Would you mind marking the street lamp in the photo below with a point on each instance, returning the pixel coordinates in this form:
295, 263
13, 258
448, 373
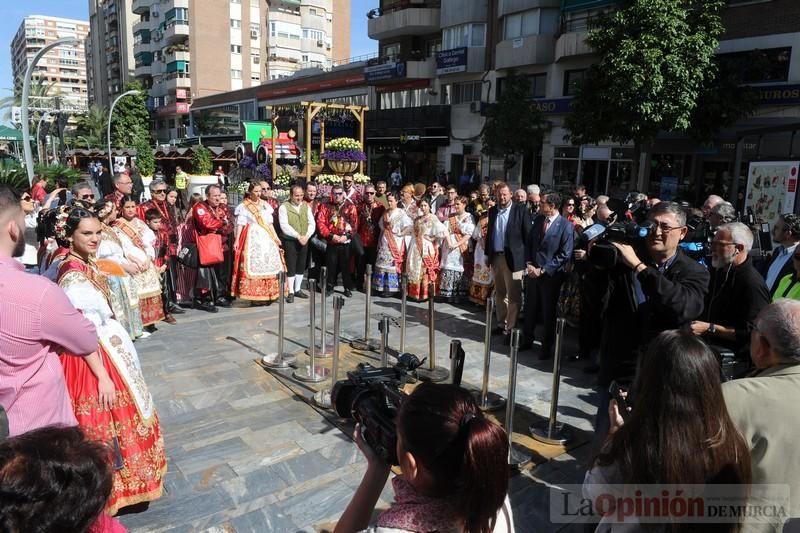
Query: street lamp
45, 116
26, 90
111, 114
85, 139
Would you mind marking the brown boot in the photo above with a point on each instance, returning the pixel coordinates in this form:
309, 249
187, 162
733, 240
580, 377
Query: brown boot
169, 319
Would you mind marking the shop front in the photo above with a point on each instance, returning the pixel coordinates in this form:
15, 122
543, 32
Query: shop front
602, 169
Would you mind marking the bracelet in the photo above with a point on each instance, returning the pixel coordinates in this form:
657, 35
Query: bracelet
640, 264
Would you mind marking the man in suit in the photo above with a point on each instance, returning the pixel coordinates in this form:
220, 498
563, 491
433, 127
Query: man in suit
548, 252
508, 232
762, 404
786, 232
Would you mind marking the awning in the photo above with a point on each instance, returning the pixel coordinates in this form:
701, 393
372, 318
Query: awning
10, 134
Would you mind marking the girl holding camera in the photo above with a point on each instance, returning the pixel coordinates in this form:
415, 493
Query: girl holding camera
455, 476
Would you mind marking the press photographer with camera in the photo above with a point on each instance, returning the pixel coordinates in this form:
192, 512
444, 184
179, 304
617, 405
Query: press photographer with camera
650, 290
454, 472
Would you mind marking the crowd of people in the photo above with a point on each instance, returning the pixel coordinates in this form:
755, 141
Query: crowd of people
704, 339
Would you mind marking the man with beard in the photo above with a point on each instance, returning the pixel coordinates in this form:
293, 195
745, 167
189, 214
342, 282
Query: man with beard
337, 223
38, 322
736, 294
370, 212
351, 195
209, 217
786, 233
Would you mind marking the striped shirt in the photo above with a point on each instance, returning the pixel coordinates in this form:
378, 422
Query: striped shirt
36, 322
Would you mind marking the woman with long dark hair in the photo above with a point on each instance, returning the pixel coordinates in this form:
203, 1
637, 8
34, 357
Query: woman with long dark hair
678, 432
455, 475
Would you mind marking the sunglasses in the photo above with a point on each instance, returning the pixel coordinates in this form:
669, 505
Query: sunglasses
87, 196
26, 198
159, 191
338, 194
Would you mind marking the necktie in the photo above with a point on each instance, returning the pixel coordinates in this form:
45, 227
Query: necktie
546, 225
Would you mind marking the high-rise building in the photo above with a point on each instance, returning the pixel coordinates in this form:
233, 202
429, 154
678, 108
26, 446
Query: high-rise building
109, 49
186, 49
64, 67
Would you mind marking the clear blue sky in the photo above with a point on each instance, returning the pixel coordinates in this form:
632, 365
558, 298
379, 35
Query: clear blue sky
13, 11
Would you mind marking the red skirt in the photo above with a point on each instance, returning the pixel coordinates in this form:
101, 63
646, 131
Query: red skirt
144, 462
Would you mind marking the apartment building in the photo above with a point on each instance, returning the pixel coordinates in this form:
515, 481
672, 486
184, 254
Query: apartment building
109, 49
64, 66
441, 62
188, 49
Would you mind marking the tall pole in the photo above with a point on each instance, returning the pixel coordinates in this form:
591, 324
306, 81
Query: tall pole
39, 136
108, 130
26, 91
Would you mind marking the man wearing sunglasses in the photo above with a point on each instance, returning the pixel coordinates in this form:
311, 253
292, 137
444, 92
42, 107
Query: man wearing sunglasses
351, 195
370, 212
337, 223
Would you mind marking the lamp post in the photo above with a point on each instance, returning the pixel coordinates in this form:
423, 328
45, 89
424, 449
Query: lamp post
85, 139
26, 90
108, 131
46, 115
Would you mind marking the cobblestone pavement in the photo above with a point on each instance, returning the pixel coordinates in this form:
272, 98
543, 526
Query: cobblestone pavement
246, 453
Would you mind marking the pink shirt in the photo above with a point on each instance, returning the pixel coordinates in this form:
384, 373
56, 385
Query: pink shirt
36, 322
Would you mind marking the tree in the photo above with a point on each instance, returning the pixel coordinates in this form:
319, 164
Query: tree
92, 126
145, 159
131, 120
514, 124
206, 122
202, 160
40, 87
657, 58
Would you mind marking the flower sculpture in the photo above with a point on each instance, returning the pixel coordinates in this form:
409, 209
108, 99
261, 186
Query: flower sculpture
344, 149
361, 179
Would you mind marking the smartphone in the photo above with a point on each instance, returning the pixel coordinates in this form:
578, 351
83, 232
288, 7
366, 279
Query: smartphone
624, 405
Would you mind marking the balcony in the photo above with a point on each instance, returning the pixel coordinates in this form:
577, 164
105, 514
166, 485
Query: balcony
530, 50
141, 6
406, 17
142, 25
572, 44
176, 31
177, 108
142, 71
176, 80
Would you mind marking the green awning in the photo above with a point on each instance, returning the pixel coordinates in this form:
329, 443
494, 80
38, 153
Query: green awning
9, 134
575, 5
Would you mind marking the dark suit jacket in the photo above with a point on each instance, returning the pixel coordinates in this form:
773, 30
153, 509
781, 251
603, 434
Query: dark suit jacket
788, 268
553, 250
518, 232
106, 183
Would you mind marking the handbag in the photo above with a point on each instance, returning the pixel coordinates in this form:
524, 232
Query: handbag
209, 249
187, 255
356, 245
319, 244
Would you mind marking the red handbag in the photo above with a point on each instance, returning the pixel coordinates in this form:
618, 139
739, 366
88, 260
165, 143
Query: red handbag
209, 248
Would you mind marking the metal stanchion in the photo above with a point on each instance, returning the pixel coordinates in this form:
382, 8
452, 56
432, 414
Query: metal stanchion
366, 343
516, 457
403, 301
384, 327
457, 356
488, 401
322, 350
311, 373
323, 397
279, 359
553, 432
432, 373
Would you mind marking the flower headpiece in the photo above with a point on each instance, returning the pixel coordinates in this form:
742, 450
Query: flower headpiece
60, 227
105, 210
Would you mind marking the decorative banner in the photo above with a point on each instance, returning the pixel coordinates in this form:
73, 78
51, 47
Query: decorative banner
771, 189
386, 71
451, 61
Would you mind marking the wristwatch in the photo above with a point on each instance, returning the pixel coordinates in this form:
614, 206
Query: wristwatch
712, 329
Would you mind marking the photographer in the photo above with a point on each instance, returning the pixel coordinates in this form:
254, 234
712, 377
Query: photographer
662, 289
737, 292
455, 476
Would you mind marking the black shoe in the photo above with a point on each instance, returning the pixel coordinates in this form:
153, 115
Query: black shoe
206, 305
386, 294
223, 302
290, 298
173, 309
591, 369
301, 294
348, 293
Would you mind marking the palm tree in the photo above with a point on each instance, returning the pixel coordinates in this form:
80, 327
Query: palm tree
40, 87
92, 125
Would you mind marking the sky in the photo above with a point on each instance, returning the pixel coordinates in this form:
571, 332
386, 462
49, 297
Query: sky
13, 11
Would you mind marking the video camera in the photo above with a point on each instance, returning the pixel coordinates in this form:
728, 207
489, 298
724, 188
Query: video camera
372, 397
597, 239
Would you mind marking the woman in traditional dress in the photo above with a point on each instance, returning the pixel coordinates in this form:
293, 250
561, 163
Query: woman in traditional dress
258, 255
408, 203
395, 225
109, 396
148, 281
187, 276
125, 300
480, 286
422, 261
454, 284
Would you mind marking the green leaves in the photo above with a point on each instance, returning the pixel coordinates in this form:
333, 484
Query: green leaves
202, 160
145, 159
131, 120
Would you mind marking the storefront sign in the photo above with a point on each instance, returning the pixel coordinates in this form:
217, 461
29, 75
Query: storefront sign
553, 106
771, 189
451, 61
386, 71
778, 94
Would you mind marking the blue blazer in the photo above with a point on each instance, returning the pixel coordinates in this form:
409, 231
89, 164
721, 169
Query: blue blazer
553, 250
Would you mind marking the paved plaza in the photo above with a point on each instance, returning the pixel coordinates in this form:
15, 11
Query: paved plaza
247, 452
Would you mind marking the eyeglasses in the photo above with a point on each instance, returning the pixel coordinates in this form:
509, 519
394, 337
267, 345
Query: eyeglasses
370, 192
571, 204
666, 228
26, 198
720, 244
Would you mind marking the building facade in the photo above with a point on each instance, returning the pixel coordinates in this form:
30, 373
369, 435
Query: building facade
63, 67
109, 49
189, 49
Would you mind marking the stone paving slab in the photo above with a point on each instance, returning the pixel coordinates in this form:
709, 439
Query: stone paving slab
247, 453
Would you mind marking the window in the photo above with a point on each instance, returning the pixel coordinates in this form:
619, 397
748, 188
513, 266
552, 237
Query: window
255, 77
236, 74
304, 58
757, 66
473, 35
315, 35
236, 49
463, 93
255, 27
521, 24
236, 1
312, 11
537, 87
236, 23
391, 51
573, 78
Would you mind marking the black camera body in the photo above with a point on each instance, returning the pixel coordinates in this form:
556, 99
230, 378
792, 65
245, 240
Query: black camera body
597, 239
372, 397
